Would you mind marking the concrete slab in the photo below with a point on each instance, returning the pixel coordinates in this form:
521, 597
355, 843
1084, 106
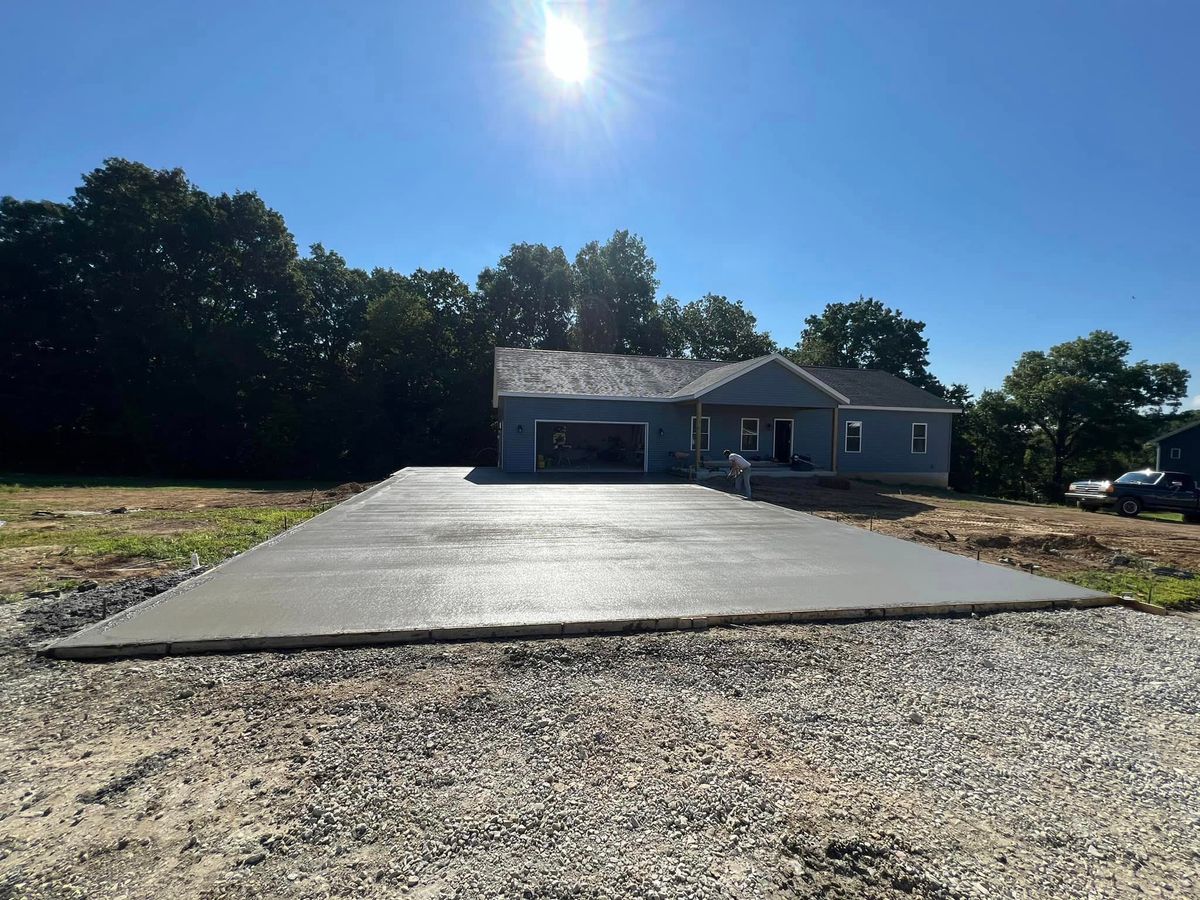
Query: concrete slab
459, 553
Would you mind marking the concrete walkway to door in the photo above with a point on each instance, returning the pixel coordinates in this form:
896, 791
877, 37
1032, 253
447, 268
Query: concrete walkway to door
457, 553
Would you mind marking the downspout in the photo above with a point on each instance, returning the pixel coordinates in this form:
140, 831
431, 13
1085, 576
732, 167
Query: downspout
834, 444
699, 427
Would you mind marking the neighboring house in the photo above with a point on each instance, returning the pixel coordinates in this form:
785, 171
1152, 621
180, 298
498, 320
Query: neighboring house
1179, 450
606, 412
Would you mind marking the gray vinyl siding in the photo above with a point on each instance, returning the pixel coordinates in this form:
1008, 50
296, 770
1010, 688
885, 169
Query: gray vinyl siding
887, 442
812, 436
519, 454
771, 384
886, 436
808, 437
1188, 444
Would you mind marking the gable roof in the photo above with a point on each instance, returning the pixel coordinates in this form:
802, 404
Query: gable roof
570, 373
1180, 430
565, 373
872, 387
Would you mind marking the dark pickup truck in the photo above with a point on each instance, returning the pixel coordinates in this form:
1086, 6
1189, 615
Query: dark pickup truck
1134, 492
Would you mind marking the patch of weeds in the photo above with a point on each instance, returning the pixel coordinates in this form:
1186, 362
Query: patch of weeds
1163, 590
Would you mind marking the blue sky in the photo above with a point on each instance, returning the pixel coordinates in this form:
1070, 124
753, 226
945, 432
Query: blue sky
1012, 175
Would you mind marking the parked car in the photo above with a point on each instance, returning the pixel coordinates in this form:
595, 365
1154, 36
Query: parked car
1146, 490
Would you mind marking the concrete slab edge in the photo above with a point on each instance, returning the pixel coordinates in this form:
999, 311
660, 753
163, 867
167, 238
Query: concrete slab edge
561, 629
191, 583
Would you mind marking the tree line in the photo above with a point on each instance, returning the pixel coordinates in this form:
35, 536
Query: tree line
149, 327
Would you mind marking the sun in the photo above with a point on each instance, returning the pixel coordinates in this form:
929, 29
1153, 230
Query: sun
566, 49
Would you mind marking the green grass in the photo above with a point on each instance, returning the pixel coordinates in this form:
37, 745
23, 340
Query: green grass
1159, 589
213, 534
12, 482
1164, 516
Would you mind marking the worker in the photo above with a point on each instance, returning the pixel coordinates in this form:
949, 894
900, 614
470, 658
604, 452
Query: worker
739, 468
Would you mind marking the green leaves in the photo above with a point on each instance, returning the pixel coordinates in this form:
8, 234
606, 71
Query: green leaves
865, 334
715, 327
1080, 404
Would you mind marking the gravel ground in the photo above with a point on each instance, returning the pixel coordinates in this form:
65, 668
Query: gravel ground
1047, 755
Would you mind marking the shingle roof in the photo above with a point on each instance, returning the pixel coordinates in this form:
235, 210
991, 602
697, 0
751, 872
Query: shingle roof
871, 387
601, 374
1180, 430
615, 375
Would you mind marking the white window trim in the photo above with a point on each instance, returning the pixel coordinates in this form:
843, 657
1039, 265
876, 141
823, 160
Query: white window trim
705, 434
846, 437
1176, 453
742, 436
912, 445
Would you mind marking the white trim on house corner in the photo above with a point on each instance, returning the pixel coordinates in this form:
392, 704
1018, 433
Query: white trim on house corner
914, 409
645, 443
912, 444
846, 436
746, 370
742, 434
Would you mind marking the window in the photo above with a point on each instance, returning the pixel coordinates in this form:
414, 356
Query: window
920, 437
854, 437
750, 435
1176, 452
703, 434
1144, 477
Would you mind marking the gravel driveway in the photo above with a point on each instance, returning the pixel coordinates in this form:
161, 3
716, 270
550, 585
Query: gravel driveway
1052, 754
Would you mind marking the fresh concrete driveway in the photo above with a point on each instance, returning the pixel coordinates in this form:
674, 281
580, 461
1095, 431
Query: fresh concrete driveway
451, 553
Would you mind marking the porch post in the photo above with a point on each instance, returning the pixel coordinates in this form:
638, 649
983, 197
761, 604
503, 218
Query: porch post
696, 437
833, 458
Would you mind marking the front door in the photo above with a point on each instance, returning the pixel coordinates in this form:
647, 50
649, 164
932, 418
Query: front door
783, 440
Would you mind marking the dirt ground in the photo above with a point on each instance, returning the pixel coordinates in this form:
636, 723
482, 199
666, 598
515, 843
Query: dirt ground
43, 525
1058, 540
1024, 755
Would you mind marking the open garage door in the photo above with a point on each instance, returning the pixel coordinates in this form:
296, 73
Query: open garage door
591, 446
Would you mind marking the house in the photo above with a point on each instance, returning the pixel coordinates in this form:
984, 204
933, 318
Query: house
1179, 450
561, 410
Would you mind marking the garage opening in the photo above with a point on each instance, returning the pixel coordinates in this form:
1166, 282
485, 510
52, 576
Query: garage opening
591, 446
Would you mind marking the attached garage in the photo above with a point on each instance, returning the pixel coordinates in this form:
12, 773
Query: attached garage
587, 446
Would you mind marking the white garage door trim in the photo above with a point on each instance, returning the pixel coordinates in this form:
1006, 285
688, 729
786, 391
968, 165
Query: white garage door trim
645, 439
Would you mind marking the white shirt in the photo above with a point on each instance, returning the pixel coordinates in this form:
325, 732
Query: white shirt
738, 461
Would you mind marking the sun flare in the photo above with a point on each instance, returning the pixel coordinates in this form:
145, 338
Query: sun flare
566, 49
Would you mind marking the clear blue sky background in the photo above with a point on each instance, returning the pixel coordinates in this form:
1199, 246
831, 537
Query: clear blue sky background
1013, 175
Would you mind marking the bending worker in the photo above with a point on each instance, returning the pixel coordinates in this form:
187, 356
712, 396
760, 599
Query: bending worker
739, 467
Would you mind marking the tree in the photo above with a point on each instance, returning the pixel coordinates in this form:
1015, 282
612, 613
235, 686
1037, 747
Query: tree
529, 297
715, 327
45, 338
615, 286
1083, 394
999, 449
865, 334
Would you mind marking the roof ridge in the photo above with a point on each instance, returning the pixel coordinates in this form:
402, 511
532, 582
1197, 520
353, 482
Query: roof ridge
723, 362
851, 369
